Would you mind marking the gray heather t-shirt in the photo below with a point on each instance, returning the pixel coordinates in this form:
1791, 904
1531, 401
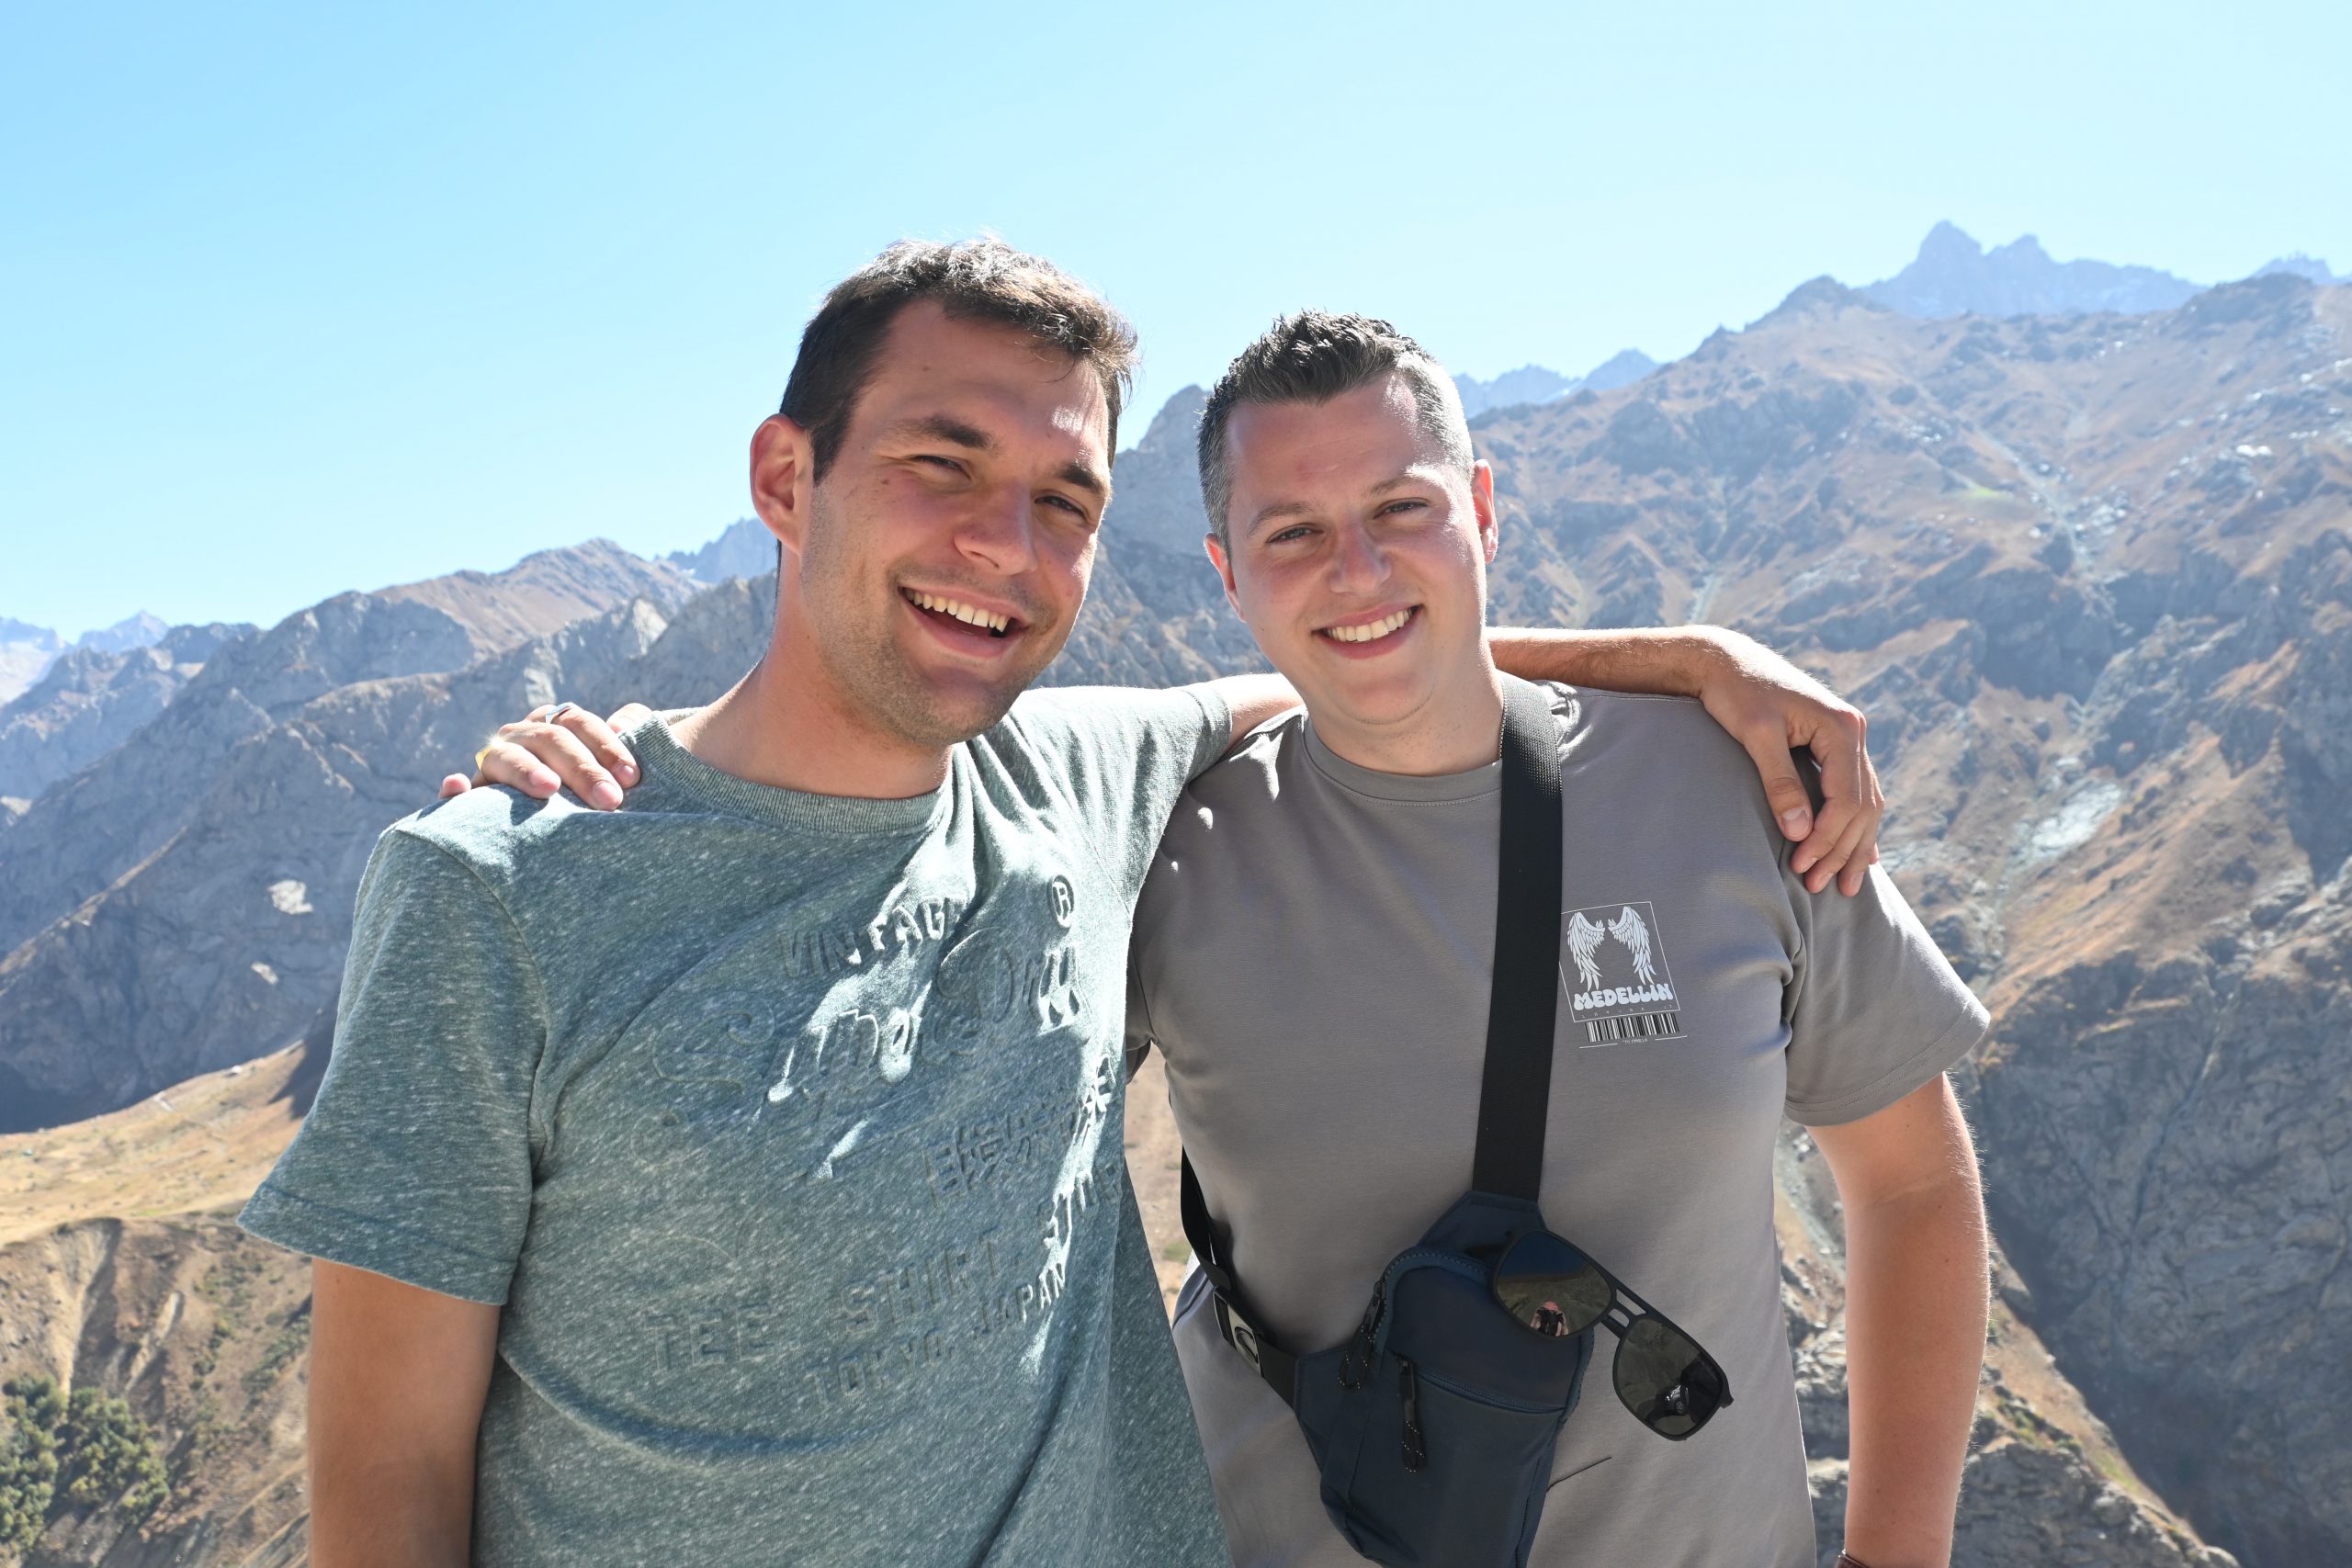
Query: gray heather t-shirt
1312, 955
787, 1130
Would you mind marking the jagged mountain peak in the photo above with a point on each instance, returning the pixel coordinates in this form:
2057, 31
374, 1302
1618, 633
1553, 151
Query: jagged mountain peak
133, 631
1176, 427
1538, 384
2312, 268
1817, 296
1955, 275
745, 549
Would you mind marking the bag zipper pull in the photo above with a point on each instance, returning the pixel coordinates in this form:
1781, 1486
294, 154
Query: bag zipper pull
1417, 1453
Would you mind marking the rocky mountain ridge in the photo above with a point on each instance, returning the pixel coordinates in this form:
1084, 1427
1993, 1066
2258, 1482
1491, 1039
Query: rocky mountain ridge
1951, 276
203, 834
745, 549
90, 699
1534, 384
1955, 275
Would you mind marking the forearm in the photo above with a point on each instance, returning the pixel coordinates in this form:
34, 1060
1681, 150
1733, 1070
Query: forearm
1672, 661
368, 1511
1254, 699
1915, 1295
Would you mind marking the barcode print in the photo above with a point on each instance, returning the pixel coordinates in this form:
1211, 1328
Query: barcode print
1635, 1026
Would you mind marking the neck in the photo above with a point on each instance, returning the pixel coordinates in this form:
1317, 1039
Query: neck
1458, 727
789, 725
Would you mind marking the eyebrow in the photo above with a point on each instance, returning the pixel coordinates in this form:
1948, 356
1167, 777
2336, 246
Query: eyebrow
940, 427
972, 438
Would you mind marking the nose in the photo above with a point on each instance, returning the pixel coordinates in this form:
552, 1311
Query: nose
997, 533
1359, 565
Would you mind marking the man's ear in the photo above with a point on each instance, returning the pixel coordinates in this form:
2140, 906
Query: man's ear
1482, 502
783, 467
1224, 564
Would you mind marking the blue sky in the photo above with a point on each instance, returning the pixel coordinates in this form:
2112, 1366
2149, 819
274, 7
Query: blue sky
295, 300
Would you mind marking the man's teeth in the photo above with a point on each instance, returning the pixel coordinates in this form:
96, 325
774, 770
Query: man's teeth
1371, 631
970, 614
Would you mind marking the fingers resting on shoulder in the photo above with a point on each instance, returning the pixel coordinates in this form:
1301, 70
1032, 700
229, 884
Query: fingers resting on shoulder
560, 747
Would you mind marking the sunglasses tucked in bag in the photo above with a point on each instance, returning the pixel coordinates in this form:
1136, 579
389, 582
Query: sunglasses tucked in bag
1433, 1426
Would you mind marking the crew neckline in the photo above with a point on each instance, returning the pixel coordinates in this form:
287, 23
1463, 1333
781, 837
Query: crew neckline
663, 760
1469, 785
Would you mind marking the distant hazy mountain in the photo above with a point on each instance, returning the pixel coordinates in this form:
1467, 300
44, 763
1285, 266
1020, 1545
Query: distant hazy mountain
27, 650
91, 698
140, 630
1534, 384
1955, 275
2313, 268
745, 549
1527, 384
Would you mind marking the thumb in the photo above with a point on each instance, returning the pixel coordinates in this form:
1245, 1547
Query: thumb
454, 785
1792, 806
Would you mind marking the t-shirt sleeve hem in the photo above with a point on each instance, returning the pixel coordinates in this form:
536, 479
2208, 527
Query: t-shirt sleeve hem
1948, 1050
397, 1252
1217, 733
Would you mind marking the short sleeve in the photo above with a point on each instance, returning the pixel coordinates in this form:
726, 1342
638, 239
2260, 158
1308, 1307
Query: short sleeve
1128, 753
415, 1159
1873, 1011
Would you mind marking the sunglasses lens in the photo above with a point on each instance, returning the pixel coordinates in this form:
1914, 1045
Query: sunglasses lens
1550, 1286
1671, 1386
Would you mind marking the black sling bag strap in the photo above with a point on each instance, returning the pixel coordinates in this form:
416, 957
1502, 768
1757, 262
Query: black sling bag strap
1515, 1094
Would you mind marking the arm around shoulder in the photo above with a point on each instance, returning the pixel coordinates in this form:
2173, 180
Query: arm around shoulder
1252, 700
1765, 702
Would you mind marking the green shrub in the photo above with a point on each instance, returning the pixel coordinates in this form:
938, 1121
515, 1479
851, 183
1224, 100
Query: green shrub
87, 1452
28, 1460
107, 1456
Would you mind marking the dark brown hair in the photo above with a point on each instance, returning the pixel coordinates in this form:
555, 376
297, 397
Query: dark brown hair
983, 280
1311, 356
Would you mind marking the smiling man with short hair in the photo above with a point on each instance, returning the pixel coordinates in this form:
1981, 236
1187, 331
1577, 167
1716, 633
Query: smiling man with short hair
1313, 957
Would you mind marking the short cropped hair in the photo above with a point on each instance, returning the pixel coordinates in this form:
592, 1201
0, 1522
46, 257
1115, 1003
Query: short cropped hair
976, 280
1311, 356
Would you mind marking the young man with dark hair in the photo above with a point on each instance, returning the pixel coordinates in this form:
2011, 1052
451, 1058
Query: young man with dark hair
736, 1176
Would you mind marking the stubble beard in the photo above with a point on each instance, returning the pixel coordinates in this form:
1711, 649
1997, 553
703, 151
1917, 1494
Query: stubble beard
868, 666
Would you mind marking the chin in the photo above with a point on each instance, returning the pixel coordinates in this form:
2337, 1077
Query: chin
1372, 705
951, 718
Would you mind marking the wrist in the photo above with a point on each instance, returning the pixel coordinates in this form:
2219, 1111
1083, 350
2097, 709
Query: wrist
1713, 659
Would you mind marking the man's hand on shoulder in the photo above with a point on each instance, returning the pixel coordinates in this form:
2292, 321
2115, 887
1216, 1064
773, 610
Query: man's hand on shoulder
1772, 708
558, 746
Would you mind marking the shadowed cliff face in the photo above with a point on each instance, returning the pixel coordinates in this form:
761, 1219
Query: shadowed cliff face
183, 901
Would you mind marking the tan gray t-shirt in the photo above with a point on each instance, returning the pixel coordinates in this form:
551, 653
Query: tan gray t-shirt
1312, 955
